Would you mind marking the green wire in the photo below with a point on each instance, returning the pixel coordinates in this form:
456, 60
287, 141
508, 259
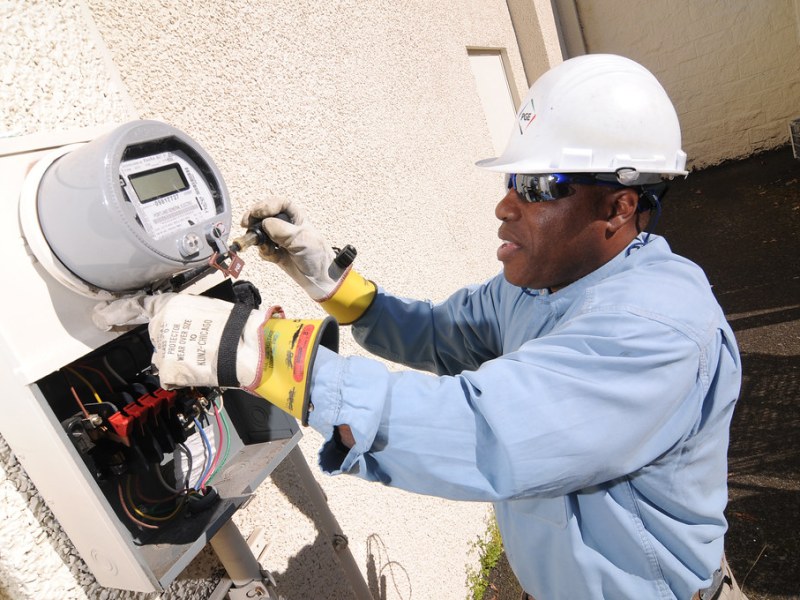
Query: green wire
227, 446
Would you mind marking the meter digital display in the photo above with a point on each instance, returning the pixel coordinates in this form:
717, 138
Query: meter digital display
159, 182
168, 192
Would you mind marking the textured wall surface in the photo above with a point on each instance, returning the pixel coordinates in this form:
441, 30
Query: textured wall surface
731, 68
538, 52
54, 70
368, 114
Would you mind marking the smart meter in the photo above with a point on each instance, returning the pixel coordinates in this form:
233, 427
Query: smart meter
125, 211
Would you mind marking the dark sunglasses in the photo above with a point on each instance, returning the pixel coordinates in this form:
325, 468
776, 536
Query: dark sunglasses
552, 186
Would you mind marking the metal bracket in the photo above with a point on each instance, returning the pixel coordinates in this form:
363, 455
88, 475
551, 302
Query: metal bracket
232, 269
242, 561
265, 588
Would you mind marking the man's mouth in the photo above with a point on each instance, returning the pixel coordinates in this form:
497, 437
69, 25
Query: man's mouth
507, 249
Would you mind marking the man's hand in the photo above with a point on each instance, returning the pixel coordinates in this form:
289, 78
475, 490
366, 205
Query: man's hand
302, 252
307, 258
186, 332
201, 341
346, 435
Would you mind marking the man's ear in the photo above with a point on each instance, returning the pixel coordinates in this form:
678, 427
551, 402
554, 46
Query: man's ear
623, 205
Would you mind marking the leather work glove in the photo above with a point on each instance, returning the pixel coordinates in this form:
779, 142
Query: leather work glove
201, 341
305, 256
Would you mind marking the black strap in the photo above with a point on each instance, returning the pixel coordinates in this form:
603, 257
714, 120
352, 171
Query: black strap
229, 344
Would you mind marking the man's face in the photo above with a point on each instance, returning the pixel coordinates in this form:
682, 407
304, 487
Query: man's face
552, 244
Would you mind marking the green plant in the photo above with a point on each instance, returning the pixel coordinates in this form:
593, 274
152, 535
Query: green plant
489, 548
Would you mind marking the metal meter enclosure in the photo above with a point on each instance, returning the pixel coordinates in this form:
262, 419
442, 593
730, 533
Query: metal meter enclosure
98, 219
126, 210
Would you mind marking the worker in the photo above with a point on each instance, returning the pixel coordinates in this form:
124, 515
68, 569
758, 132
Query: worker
587, 390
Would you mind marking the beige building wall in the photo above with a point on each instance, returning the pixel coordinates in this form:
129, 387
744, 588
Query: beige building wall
368, 114
732, 67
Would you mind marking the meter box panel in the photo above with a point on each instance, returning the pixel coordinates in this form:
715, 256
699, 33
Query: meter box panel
139, 477
171, 466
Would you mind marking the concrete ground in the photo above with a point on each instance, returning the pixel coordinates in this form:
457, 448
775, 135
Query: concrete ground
740, 221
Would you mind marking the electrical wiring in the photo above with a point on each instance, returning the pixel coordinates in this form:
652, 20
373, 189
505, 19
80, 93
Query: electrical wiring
86, 381
151, 502
78, 400
114, 374
141, 495
163, 482
119, 402
75, 395
210, 452
128, 512
213, 467
227, 443
100, 373
145, 515
188, 465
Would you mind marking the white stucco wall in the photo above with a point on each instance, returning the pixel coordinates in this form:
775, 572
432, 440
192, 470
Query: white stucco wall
732, 68
55, 72
365, 112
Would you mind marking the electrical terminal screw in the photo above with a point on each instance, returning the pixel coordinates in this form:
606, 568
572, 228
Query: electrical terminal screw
94, 420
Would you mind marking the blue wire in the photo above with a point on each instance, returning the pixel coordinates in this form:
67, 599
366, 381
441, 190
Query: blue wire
210, 452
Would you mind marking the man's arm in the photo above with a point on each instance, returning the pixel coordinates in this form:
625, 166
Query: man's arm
447, 338
605, 396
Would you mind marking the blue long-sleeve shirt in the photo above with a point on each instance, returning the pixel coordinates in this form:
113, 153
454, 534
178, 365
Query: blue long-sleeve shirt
595, 418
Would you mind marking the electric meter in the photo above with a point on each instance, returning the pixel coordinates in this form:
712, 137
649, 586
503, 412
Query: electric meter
125, 211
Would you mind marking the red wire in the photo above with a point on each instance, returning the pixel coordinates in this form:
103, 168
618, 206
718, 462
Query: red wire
99, 372
78, 400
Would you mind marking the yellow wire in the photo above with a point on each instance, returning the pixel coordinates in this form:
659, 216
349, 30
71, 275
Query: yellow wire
86, 381
145, 515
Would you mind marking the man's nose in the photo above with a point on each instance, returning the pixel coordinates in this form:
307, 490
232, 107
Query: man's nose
508, 209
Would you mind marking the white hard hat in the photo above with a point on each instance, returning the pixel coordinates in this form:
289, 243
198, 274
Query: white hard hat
597, 113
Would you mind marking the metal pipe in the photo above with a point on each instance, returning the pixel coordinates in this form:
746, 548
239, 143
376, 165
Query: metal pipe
235, 555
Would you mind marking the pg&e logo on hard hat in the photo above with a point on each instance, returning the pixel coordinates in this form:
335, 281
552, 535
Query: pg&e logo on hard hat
527, 115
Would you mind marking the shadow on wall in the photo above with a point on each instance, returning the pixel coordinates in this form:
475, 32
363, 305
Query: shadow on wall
383, 572
315, 571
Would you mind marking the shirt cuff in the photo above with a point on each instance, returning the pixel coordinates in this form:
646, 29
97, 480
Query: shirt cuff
342, 400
